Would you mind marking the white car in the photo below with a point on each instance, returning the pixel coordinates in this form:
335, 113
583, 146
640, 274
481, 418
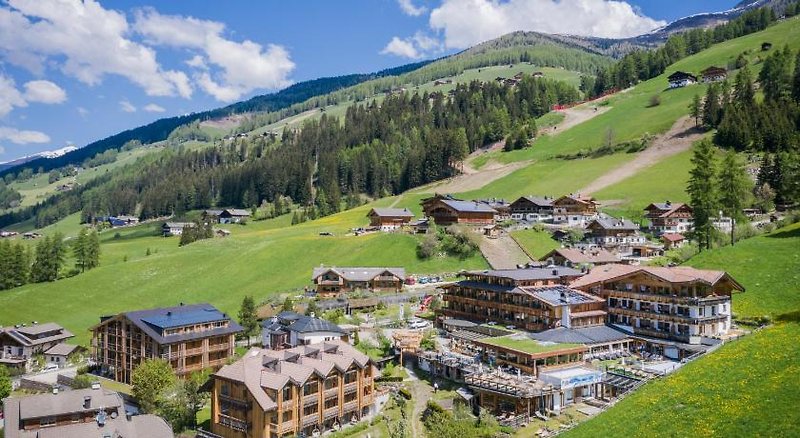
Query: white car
418, 324
50, 367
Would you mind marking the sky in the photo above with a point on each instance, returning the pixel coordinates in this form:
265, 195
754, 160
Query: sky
76, 71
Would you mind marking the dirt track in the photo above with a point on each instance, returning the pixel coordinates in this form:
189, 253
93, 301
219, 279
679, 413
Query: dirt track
678, 139
503, 252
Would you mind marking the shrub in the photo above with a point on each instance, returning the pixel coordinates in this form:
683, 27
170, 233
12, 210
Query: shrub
405, 393
655, 100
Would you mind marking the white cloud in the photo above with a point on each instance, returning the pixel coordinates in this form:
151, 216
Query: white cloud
44, 92
468, 22
400, 47
83, 112
85, 41
154, 108
409, 8
126, 106
415, 47
10, 97
240, 67
22, 137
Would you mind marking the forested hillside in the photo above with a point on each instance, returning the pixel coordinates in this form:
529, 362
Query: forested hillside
378, 150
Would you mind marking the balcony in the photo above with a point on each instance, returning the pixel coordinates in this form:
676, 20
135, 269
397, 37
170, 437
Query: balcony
332, 392
194, 351
287, 404
351, 387
350, 406
310, 399
172, 355
308, 420
284, 427
218, 347
331, 412
234, 423
241, 404
671, 317
680, 337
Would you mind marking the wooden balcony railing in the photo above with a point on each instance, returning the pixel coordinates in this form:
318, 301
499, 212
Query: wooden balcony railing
234, 423
351, 387
310, 419
310, 399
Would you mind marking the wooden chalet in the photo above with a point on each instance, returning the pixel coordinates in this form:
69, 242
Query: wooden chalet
681, 79
668, 217
331, 281
446, 210
673, 240
609, 232
389, 219
714, 74
574, 210
532, 208
574, 257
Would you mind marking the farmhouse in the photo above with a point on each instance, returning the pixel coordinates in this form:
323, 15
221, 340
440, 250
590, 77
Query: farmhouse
446, 210
389, 219
609, 232
664, 306
78, 414
290, 329
331, 281
122, 221
174, 228
673, 240
191, 337
574, 210
681, 79
532, 299
574, 257
532, 208
299, 391
714, 74
59, 354
667, 217
19, 344
227, 216
500, 206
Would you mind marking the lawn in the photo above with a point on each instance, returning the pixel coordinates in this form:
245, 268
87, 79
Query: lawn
748, 387
536, 243
527, 345
261, 259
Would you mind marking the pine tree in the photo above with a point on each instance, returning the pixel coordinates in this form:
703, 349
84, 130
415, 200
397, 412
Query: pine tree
733, 187
711, 107
744, 91
696, 109
796, 79
92, 250
79, 249
248, 318
701, 192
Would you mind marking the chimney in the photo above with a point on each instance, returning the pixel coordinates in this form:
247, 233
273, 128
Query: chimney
128, 415
87, 401
55, 389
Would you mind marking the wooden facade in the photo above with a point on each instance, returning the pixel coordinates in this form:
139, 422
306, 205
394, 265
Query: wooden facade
330, 282
303, 390
574, 210
121, 342
447, 211
389, 219
670, 218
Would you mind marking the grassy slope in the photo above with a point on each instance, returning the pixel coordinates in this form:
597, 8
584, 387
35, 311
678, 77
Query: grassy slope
260, 259
630, 119
748, 387
535, 243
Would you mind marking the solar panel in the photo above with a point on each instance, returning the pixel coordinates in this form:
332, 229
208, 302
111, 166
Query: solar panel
184, 318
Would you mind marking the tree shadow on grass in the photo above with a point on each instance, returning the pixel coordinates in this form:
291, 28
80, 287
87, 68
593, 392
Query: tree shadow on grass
789, 317
795, 232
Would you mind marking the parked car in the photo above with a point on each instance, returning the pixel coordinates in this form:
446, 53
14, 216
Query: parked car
50, 367
418, 324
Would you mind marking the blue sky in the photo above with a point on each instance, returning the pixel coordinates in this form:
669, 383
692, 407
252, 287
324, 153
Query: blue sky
74, 71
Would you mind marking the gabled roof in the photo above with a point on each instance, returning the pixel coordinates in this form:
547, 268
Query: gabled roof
468, 206
391, 212
679, 75
578, 256
714, 71
581, 199
358, 274
178, 224
530, 274
677, 274
541, 201
27, 336
673, 237
307, 324
666, 208
610, 223
62, 349
153, 322
237, 212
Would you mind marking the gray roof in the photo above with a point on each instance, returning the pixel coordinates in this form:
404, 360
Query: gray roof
24, 335
139, 426
359, 273
67, 402
528, 274
153, 321
559, 295
38, 329
584, 335
178, 224
307, 324
62, 349
611, 223
237, 212
542, 201
469, 206
402, 212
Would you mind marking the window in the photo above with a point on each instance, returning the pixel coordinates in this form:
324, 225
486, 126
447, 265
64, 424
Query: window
287, 393
47, 421
226, 389
310, 388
